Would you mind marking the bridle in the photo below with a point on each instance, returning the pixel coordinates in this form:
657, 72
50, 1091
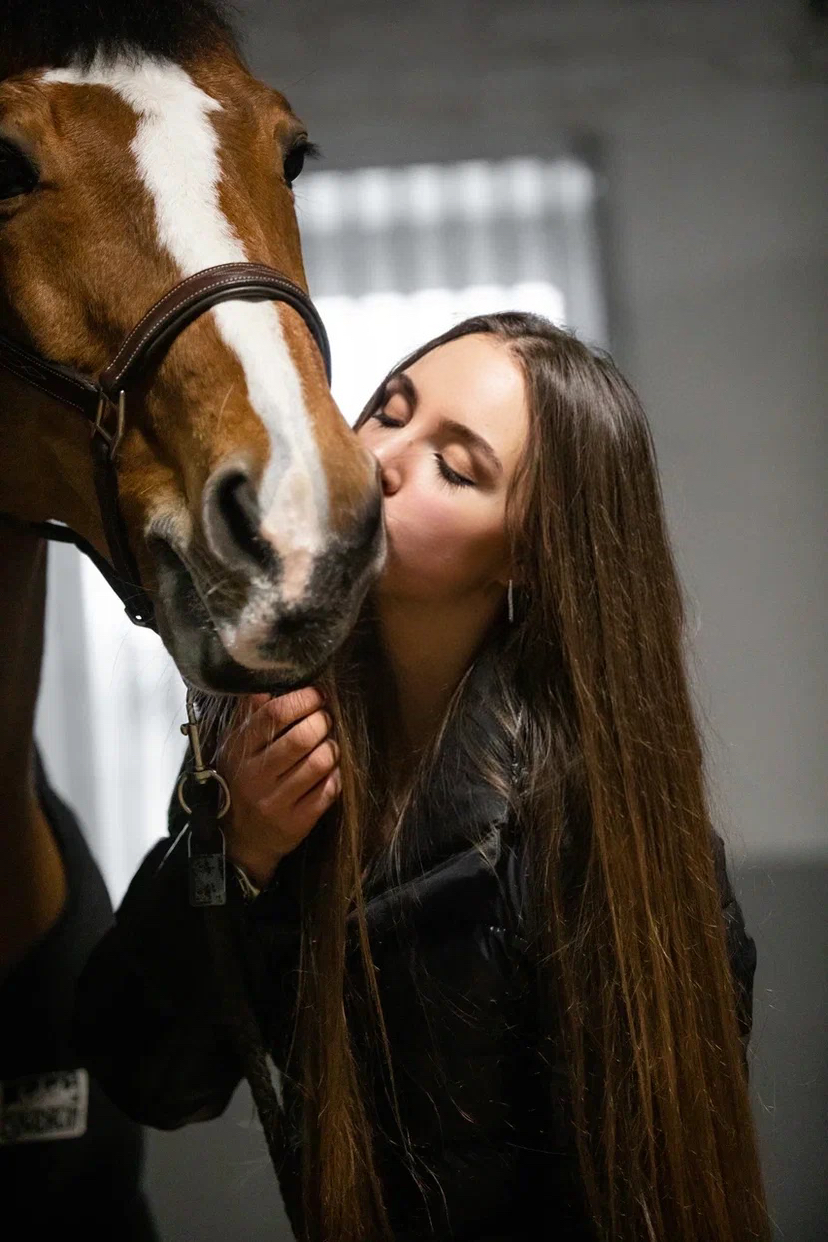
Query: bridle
104, 401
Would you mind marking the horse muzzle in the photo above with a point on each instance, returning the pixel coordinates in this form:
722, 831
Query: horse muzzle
254, 618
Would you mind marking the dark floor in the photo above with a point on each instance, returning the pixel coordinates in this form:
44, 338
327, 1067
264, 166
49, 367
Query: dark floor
213, 1183
786, 909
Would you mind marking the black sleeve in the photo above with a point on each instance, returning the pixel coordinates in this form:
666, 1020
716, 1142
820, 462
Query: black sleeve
149, 1018
741, 948
547, 1169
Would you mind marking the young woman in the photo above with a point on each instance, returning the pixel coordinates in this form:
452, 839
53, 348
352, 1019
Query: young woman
485, 921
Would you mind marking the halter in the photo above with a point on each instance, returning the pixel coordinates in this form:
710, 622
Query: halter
103, 402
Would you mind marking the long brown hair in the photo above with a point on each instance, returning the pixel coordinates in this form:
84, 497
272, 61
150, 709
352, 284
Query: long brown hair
623, 911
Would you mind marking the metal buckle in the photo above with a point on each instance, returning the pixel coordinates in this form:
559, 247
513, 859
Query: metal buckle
200, 773
205, 774
206, 864
112, 438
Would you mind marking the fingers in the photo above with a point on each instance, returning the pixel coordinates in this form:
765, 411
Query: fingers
313, 767
280, 792
314, 802
265, 770
320, 797
269, 717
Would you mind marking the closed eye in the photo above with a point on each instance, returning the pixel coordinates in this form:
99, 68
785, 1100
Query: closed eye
382, 419
447, 474
451, 476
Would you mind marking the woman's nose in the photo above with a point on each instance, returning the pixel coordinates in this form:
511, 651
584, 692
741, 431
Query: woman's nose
390, 477
389, 470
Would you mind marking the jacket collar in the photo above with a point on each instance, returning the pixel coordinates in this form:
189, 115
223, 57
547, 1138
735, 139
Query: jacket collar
460, 806
458, 822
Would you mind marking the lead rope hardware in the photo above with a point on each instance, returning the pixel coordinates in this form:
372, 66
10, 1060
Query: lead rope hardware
206, 851
208, 890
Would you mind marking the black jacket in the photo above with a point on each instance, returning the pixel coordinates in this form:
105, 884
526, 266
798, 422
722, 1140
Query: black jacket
492, 1157
83, 1169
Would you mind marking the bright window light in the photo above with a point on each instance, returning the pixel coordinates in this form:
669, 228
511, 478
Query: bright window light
397, 255
396, 323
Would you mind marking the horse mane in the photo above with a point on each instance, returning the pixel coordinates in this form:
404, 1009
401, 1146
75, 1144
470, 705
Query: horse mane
57, 33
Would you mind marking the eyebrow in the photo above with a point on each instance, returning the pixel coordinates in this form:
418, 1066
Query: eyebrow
403, 385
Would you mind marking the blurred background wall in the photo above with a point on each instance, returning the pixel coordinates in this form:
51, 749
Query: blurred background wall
703, 125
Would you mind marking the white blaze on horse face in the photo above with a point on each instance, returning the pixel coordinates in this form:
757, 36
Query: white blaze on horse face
176, 149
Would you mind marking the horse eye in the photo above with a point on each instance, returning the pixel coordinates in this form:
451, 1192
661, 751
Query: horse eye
295, 159
17, 175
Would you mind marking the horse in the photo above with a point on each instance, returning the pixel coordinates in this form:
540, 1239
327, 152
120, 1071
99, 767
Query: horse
151, 277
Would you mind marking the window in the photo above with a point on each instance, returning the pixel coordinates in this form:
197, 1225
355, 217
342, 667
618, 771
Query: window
396, 255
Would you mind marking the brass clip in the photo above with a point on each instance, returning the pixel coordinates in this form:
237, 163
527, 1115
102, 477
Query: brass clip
200, 772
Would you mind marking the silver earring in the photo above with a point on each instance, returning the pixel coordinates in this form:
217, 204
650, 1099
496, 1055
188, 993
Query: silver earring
510, 602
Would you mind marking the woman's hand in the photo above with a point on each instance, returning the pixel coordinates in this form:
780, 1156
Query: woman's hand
282, 767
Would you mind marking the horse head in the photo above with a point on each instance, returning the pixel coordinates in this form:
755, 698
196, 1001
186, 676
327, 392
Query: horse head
131, 158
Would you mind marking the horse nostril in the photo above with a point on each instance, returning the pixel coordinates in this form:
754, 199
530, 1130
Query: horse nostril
235, 506
299, 623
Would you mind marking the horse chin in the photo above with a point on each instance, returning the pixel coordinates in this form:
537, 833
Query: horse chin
207, 666
198, 642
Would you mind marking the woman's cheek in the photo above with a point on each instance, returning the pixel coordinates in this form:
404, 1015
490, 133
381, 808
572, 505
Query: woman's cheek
420, 539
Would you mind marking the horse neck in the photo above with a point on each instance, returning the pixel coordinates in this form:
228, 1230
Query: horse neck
32, 879
22, 607
36, 483
47, 471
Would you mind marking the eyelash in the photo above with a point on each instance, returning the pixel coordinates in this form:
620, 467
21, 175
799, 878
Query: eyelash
449, 476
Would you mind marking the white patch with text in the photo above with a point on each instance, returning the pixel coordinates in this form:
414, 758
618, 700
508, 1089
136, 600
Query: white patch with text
42, 1107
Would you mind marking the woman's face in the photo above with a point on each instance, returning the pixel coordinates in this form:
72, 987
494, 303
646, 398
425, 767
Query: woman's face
448, 436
